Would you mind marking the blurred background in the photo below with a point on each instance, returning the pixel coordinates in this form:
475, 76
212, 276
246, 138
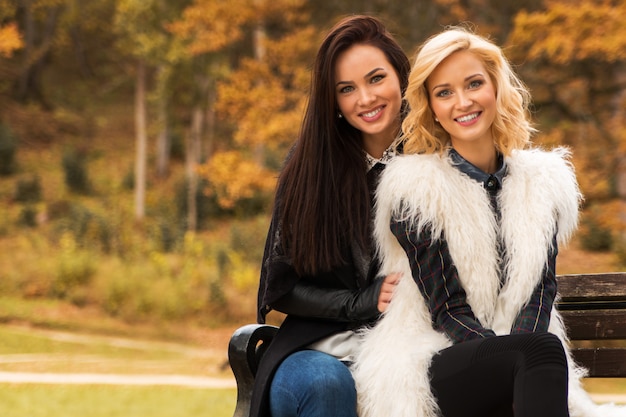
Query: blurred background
140, 141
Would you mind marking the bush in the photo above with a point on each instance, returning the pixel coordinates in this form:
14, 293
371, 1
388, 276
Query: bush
28, 216
594, 235
128, 181
88, 228
75, 169
619, 248
59, 209
28, 190
149, 291
167, 234
207, 207
75, 269
8, 148
248, 237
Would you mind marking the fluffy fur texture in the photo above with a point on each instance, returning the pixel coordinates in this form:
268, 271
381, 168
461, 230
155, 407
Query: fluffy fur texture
540, 196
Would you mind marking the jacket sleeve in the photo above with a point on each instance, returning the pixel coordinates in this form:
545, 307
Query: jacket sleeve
535, 315
277, 275
282, 289
437, 279
336, 304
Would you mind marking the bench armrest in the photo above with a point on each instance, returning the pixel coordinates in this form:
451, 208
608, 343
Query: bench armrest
247, 345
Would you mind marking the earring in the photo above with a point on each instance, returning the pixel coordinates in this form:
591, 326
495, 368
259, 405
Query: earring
339, 115
436, 120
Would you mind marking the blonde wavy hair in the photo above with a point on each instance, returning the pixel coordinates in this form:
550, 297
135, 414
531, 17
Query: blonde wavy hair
511, 128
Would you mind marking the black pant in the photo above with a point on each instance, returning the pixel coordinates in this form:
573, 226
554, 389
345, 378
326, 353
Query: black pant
521, 375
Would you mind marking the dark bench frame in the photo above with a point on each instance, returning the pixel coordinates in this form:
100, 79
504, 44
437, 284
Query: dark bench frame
593, 307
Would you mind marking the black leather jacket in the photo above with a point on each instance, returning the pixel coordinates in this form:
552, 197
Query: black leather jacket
317, 307
307, 299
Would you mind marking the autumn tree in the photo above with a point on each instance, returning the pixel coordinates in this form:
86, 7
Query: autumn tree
141, 28
265, 97
64, 51
207, 28
252, 98
574, 55
39, 23
10, 38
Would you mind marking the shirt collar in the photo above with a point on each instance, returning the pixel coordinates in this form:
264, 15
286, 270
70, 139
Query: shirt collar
478, 174
389, 153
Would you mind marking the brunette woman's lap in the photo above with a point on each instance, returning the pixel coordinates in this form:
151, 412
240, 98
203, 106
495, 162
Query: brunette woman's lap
309, 383
523, 375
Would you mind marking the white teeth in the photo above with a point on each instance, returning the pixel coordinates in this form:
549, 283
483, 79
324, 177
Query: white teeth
372, 113
467, 118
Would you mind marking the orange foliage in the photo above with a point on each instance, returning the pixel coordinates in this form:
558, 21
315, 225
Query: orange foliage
232, 178
10, 40
592, 176
265, 99
210, 25
257, 101
572, 30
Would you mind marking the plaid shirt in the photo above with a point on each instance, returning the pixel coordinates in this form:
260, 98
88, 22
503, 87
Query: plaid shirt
438, 280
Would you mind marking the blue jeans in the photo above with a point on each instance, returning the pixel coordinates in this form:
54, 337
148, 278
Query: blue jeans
309, 383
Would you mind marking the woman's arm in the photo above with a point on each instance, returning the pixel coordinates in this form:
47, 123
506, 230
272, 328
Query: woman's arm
437, 278
535, 316
309, 300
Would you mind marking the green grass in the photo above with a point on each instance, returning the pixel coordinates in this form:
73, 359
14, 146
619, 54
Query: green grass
24, 349
113, 401
18, 340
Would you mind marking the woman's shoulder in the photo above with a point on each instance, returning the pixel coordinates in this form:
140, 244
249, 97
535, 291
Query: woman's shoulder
552, 169
405, 167
547, 159
412, 177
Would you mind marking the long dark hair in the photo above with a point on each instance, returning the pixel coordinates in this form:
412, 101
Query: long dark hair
323, 200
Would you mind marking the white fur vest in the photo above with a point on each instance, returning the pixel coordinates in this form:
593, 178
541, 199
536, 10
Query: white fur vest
539, 197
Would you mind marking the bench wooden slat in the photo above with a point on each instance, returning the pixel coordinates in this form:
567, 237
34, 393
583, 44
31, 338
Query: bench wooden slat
593, 307
593, 287
595, 324
602, 362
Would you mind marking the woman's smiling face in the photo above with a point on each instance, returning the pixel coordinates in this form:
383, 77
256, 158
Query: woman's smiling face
368, 93
463, 99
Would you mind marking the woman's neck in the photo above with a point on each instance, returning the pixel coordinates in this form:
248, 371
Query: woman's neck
376, 145
484, 158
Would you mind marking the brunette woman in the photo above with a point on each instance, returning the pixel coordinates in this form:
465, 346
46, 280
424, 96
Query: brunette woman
318, 266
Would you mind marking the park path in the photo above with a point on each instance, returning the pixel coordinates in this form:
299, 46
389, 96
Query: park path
115, 379
171, 380
213, 358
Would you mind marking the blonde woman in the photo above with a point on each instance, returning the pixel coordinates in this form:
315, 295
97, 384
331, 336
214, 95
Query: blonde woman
472, 215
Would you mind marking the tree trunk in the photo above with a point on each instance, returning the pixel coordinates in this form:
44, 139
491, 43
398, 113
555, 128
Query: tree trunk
163, 138
210, 123
37, 47
141, 141
192, 156
260, 36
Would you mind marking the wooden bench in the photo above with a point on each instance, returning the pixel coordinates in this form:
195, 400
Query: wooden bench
593, 307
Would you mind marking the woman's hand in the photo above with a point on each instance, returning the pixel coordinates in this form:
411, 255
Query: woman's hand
386, 290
